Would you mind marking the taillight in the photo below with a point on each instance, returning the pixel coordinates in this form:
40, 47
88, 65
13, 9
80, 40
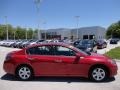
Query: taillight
8, 57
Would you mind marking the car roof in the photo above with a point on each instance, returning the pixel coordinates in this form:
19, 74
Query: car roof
42, 44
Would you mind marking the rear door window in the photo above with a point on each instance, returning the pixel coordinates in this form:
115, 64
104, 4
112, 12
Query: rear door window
40, 50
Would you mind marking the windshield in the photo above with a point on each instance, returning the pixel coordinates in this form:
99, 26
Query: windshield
83, 42
100, 41
83, 52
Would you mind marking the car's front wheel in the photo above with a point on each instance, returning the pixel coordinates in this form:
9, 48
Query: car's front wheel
24, 73
98, 74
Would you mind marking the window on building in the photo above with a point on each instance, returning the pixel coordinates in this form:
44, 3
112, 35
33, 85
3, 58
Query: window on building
85, 37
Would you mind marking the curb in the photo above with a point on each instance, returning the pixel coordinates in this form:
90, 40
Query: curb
117, 60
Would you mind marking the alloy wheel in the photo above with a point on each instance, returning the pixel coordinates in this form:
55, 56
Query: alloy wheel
98, 74
24, 73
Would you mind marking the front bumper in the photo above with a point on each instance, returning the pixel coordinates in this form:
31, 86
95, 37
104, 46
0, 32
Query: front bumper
113, 70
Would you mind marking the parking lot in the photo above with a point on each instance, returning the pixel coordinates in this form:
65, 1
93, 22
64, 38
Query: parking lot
8, 82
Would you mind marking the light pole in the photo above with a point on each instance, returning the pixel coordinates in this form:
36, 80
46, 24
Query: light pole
37, 3
14, 34
112, 34
26, 34
77, 24
33, 34
7, 37
45, 30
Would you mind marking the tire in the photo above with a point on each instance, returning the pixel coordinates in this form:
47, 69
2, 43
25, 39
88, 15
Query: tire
24, 73
98, 74
103, 46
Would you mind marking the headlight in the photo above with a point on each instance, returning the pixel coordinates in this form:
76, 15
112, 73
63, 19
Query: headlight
8, 57
88, 49
112, 61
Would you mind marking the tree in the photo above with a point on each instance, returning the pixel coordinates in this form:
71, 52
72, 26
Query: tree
30, 33
10, 31
2, 32
113, 30
18, 32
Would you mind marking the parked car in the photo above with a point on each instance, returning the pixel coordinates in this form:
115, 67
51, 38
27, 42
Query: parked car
101, 44
24, 43
76, 42
68, 41
87, 45
7, 43
35, 42
2, 42
58, 59
54, 41
114, 41
15, 43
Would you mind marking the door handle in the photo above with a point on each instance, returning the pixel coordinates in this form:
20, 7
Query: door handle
30, 58
58, 61
81, 57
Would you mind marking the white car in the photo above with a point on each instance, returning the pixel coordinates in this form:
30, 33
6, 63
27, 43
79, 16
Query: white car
1, 42
9, 43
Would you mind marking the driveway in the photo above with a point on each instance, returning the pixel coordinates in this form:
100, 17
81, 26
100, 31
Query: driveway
109, 47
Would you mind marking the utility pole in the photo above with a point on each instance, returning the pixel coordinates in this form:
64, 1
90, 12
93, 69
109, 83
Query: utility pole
7, 37
77, 25
37, 3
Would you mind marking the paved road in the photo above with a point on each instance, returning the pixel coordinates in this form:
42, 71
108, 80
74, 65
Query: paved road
7, 82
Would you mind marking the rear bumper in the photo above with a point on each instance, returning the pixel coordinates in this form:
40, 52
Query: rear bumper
9, 67
99, 46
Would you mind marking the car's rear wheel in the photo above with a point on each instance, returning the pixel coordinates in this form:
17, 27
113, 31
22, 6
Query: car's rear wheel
24, 73
98, 74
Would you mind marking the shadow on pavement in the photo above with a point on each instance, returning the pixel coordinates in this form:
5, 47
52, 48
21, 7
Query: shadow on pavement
55, 79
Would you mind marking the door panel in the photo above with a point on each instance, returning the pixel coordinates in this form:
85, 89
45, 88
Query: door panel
74, 66
48, 65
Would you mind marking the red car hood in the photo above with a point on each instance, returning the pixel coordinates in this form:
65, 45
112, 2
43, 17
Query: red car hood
98, 56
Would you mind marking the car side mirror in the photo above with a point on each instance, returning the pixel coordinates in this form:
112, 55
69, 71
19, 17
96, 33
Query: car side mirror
78, 55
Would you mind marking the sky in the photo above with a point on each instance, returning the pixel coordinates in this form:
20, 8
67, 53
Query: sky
60, 13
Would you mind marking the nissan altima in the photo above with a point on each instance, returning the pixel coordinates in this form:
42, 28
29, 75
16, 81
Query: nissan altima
58, 59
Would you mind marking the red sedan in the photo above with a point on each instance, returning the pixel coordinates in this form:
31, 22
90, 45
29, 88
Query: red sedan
58, 59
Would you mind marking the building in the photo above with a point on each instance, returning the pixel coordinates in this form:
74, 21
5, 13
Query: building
95, 32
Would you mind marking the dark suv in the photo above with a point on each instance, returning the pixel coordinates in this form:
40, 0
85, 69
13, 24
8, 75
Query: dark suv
114, 41
86, 45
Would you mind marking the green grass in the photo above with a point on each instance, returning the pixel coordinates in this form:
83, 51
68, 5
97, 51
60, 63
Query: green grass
114, 53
